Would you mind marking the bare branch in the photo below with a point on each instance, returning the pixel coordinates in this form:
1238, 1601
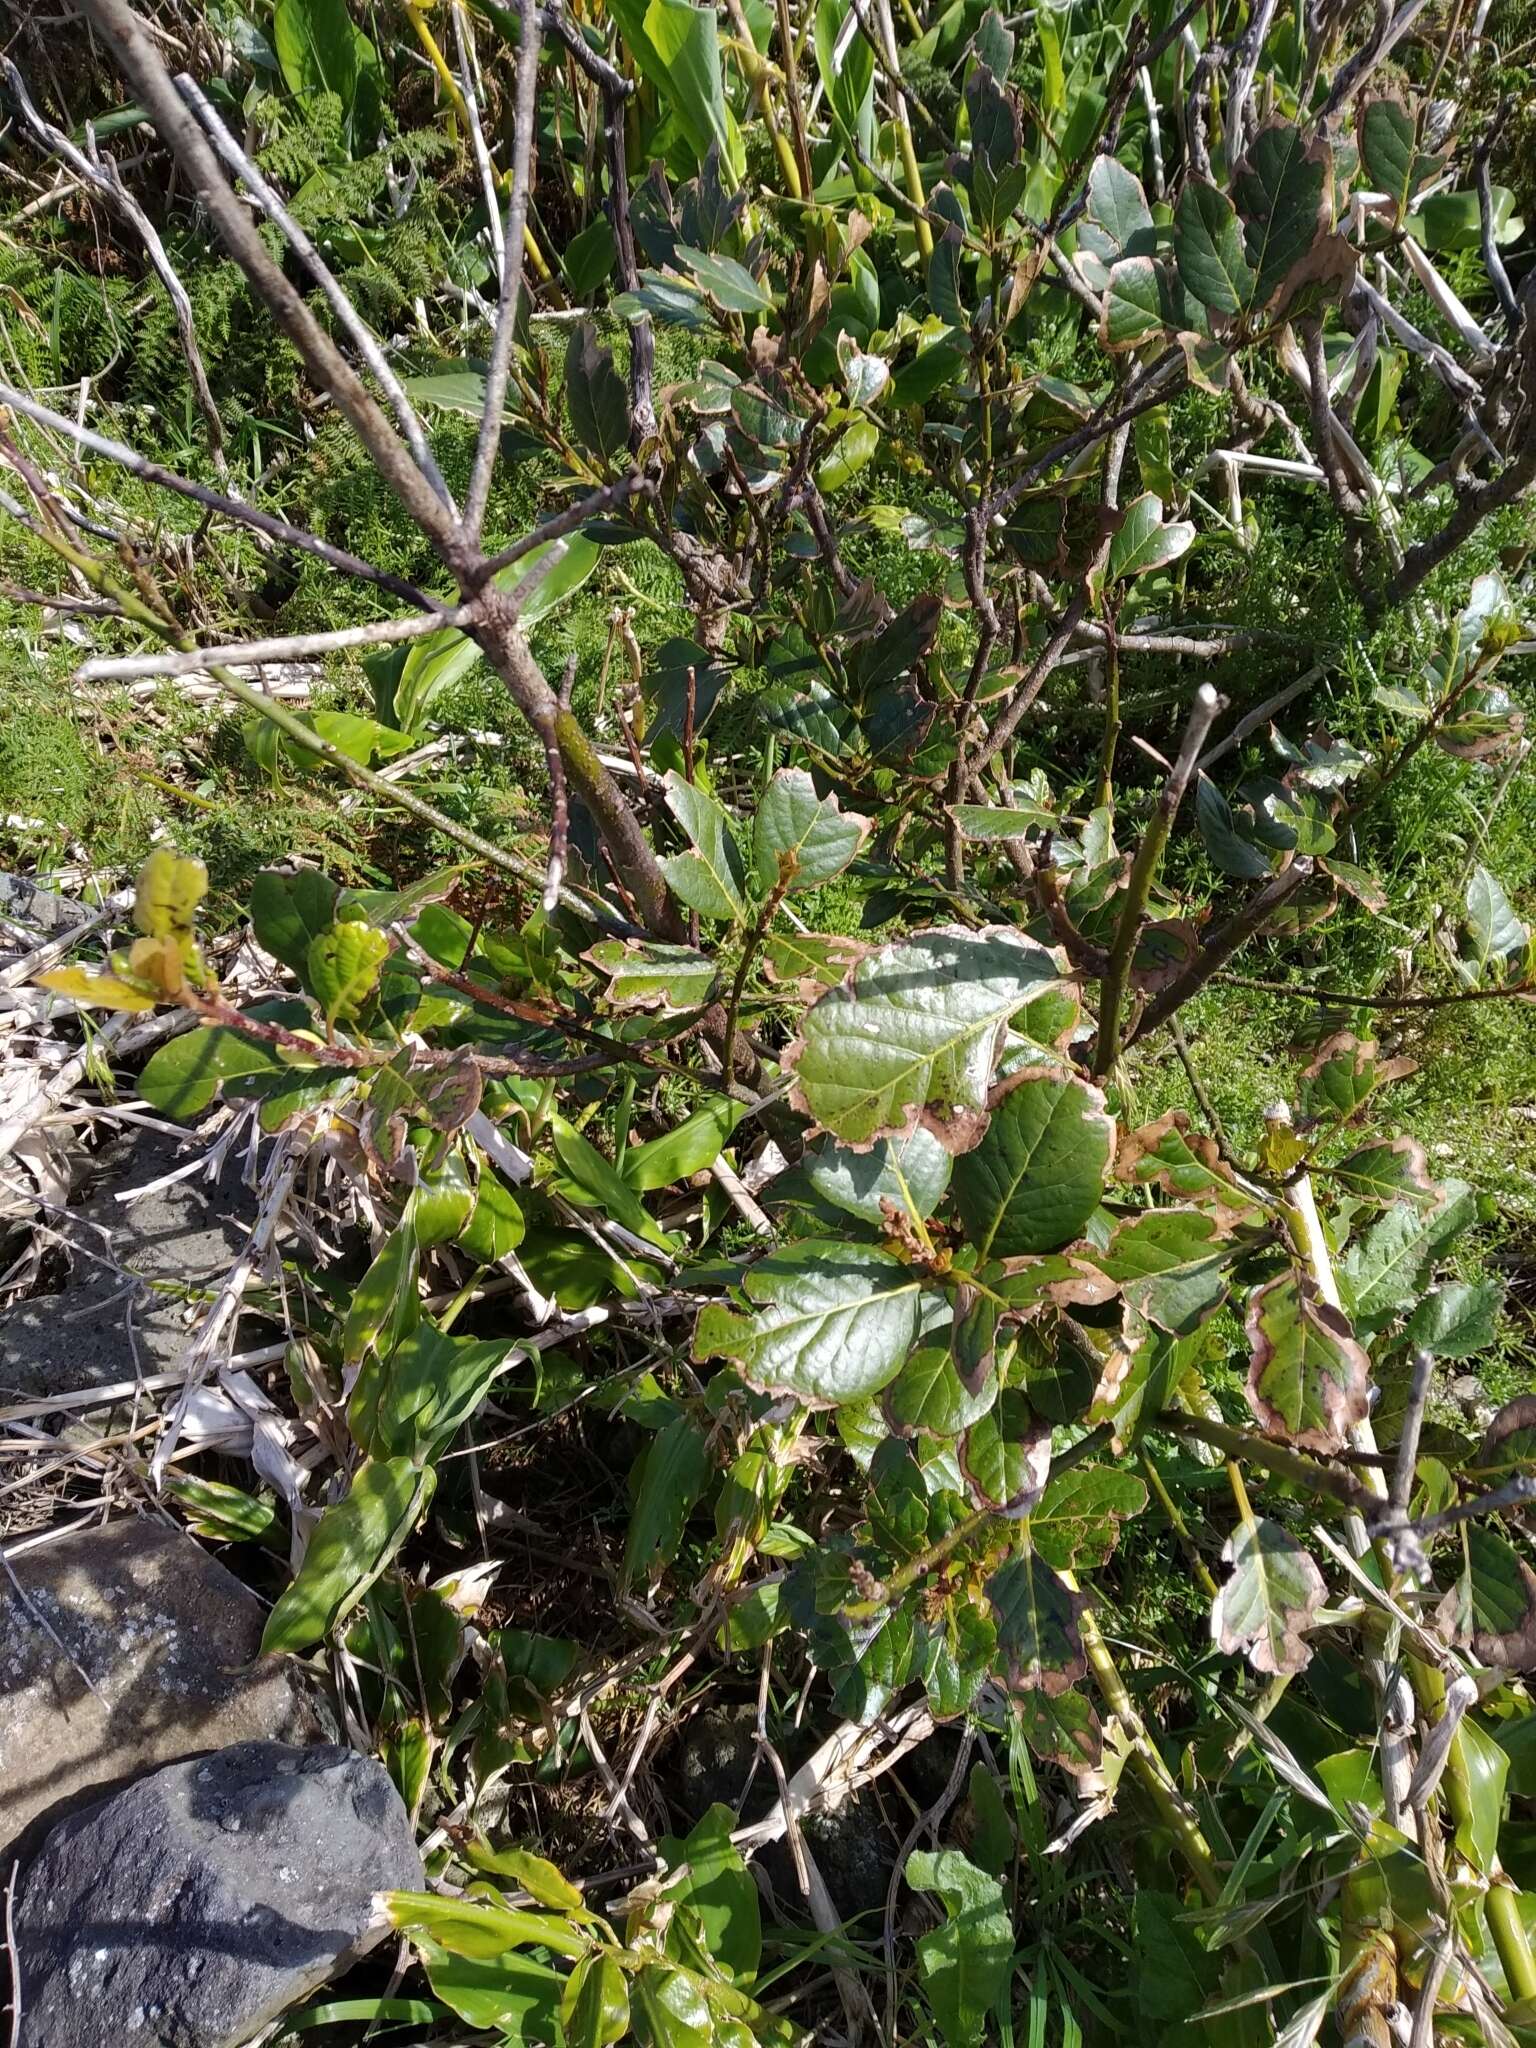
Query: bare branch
101, 174
499, 367
346, 313
252, 653
131, 44
215, 501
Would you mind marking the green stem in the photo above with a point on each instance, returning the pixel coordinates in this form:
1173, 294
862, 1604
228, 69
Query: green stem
1278, 1458
1180, 1527
754, 939
1174, 1810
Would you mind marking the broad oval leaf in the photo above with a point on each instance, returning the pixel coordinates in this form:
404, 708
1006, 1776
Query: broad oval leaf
1145, 541
826, 1322
1308, 1378
909, 1173
353, 1541
917, 1024
1038, 1173
799, 834
712, 879
1270, 1601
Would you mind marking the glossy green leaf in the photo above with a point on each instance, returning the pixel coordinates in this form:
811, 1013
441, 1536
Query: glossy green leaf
672, 1474
712, 879
1283, 189
352, 1544
1456, 1320
796, 832
1038, 1173
595, 394
929, 1396
594, 2007
1146, 541
910, 1173
826, 1322
289, 911
918, 1026
965, 1965
1208, 248
687, 1149
182, 1077
1387, 1267
721, 1890
1171, 1265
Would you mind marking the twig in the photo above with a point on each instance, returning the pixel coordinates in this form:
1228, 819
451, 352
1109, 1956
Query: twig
351, 322
253, 653
216, 501
11, 1954
102, 175
1144, 872
499, 367
126, 35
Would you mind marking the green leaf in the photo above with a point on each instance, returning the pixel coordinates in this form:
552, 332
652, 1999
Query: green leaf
1076, 1525
988, 823
1503, 1590
413, 1396
928, 1396
352, 1543
826, 1322
166, 894
1389, 150
713, 878
181, 1078
342, 968
1388, 1266
1208, 249
510, 1992
1270, 1601
496, 1225
674, 1469
1387, 1169
1171, 1266
965, 1965
696, 1143
1038, 1173
385, 1302
595, 393
1145, 541
847, 68
437, 661
1283, 189
911, 1173
721, 1890
1006, 1457
1231, 852
1039, 1629
729, 283
1484, 1769
1495, 935
1117, 204
678, 50
1135, 302
1183, 1162
593, 1182
588, 259
813, 836
645, 974
290, 910
917, 1025
1456, 1320
671, 2010
594, 2007
1308, 1379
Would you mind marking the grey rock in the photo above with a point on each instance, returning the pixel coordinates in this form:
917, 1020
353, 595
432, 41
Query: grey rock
103, 1327
169, 1640
194, 1908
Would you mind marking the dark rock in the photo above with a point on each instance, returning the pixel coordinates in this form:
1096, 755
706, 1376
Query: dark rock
167, 1637
194, 1908
102, 1327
